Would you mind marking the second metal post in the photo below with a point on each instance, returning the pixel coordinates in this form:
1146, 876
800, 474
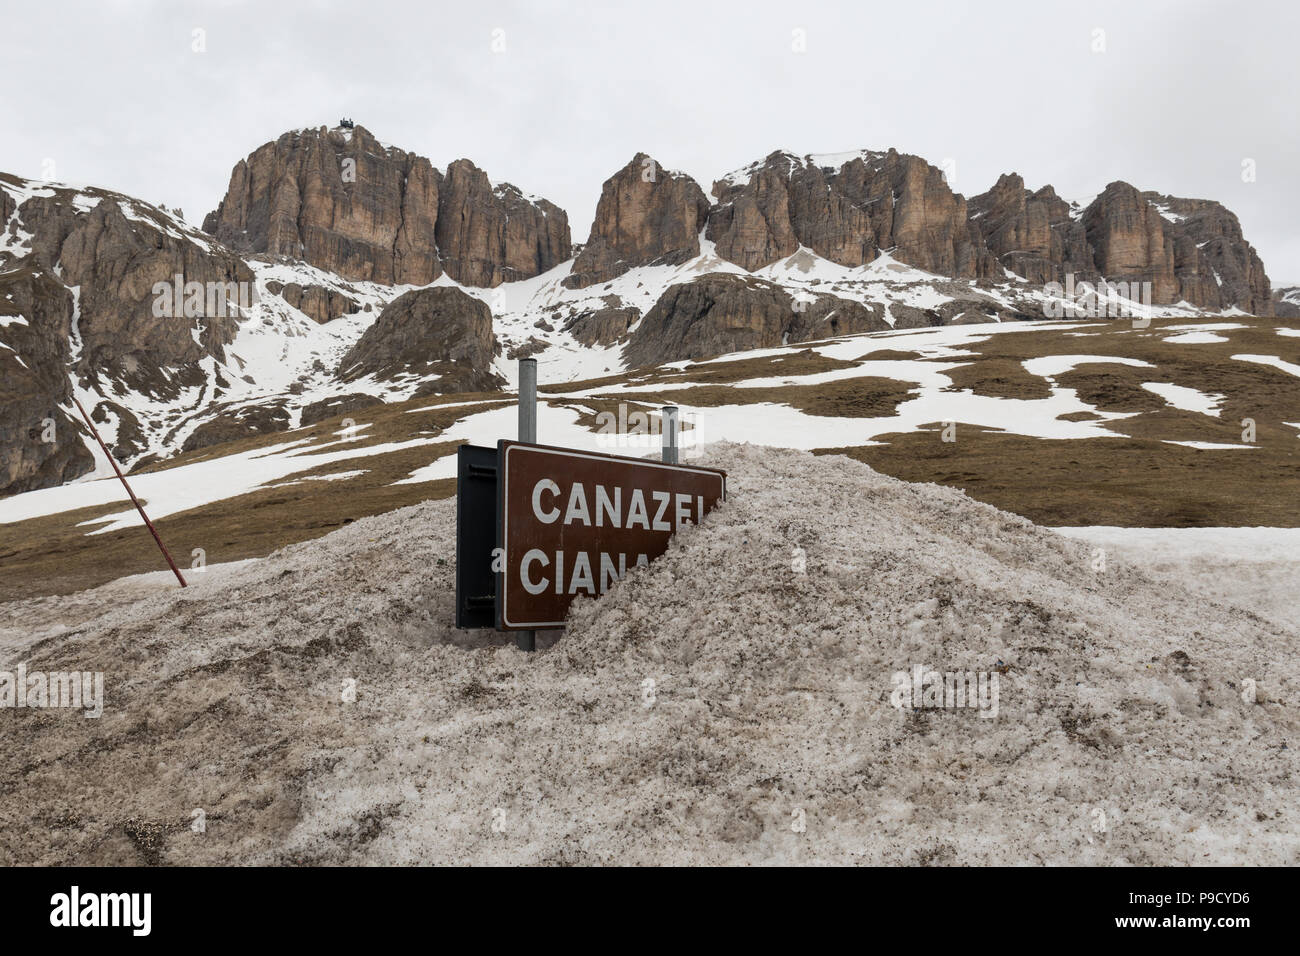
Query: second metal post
668, 415
527, 640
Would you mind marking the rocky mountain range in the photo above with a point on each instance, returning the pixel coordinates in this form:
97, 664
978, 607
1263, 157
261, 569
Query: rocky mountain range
1190, 250
374, 275
646, 216
847, 209
342, 201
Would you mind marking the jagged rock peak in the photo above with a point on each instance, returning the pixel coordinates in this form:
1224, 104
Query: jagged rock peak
126, 330
1189, 250
488, 234
647, 215
846, 207
341, 200
784, 158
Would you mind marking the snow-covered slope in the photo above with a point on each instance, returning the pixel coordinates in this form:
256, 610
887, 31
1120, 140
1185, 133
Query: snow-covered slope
279, 360
761, 406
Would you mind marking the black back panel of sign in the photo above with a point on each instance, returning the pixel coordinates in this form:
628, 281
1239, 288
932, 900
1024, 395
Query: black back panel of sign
476, 531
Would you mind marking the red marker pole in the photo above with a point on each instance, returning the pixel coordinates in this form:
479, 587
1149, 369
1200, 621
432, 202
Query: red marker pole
134, 500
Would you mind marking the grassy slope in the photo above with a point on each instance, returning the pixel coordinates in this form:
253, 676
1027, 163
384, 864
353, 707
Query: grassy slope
1140, 480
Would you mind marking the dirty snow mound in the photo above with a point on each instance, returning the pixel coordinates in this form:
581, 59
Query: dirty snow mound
730, 704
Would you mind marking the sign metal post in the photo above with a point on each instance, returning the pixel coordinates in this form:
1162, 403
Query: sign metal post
527, 640
555, 523
668, 415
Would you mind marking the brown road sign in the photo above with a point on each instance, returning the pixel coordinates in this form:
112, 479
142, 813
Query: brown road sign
573, 522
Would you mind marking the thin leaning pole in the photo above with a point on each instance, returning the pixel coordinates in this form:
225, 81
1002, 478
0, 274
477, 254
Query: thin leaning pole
134, 500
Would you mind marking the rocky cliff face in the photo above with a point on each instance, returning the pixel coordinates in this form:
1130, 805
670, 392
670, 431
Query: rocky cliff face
342, 201
117, 261
116, 250
846, 209
1286, 302
116, 336
338, 200
716, 314
315, 301
752, 225
647, 215
1215, 266
1190, 250
40, 444
488, 235
1037, 235
601, 327
436, 331
7, 206
1129, 241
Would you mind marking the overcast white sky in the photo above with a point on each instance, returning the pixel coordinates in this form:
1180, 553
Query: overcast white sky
1183, 93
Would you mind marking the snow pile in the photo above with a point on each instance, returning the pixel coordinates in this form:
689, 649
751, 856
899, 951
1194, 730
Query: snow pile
1254, 567
730, 704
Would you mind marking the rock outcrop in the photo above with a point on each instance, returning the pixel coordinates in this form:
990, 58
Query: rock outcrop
1215, 266
7, 206
435, 331
317, 302
1037, 235
602, 326
337, 405
826, 316
1129, 241
1189, 250
232, 424
1286, 302
492, 234
40, 443
752, 225
337, 199
117, 250
847, 209
720, 313
344, 202
647, 215
118, 334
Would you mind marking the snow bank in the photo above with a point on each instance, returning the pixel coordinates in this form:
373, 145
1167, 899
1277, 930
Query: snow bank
730, 704
1255, 568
